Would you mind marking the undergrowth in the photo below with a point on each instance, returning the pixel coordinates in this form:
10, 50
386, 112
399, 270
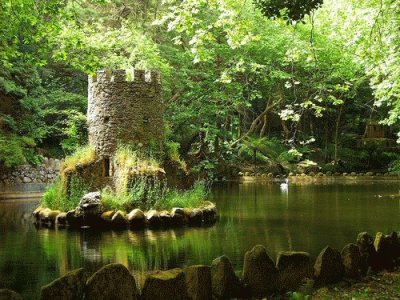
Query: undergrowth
137, 184
150, 193
55, 196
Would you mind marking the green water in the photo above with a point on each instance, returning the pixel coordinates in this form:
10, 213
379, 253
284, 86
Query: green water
303, 218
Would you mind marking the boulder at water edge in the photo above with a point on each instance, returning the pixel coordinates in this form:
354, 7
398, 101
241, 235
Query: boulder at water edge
61, 219
352, 261
195, 217
73, 219
119, 219
365, 244
328, 267
68, 287
166, 219
384, 250
91, 205
52, 216
177, 216
166, 285
112, 281
136, 218
293, 267
198, 282
225, 284
107, 216
259, 272
395, 242
153, 218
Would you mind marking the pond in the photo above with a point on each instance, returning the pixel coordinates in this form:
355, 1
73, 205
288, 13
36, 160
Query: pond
304, 217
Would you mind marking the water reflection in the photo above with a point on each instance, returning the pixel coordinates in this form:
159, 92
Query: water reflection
302, 217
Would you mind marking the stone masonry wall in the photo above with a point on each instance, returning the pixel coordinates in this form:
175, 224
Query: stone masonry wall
124, 111
44, 173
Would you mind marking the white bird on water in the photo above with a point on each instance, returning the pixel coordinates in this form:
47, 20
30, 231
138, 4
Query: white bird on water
285, 185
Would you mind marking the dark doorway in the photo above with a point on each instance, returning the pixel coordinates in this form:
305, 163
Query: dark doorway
106, 167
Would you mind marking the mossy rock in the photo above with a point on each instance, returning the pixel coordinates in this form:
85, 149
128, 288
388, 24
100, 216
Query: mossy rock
166, 218
352, 261
153, 218
178, 210
52, 216
119, 219
198, 282
107, 216
365, 244
225, 284
328, 267
166, 285
293, 268
384, 249
177, 217
73, 219
36, 213
61, 218
68, 287
136, 218
195, 217
44, 214
113, 281
259, 272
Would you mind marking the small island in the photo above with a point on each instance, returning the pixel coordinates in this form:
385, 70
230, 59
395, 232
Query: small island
117, 181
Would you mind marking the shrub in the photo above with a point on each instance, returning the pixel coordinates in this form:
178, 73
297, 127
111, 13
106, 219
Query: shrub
394, 167
11, 151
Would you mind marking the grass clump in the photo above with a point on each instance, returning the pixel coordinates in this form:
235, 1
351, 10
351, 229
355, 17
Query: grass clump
55, 196
131, 163
190, 198
82, 156
150, 193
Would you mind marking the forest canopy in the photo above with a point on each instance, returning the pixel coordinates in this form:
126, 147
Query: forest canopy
245, 82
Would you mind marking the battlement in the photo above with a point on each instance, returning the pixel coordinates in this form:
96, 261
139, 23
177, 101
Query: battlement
132, 75
124, 107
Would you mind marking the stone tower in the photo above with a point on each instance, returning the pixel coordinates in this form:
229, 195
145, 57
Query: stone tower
124, 111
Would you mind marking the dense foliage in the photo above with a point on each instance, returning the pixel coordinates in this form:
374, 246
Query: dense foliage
245, 82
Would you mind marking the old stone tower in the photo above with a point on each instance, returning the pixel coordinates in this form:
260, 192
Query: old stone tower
126, 111
124, 108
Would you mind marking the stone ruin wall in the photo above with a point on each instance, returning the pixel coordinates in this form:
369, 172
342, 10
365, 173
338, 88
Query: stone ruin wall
124, 111
46, 172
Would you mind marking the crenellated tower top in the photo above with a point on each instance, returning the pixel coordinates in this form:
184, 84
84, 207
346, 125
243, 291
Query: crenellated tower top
124, 107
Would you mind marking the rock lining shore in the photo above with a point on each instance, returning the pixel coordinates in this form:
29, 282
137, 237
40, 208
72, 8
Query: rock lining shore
261, 276
91, 213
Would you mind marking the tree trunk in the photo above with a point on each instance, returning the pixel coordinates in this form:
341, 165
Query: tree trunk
264, 127
256, 122
337, 132
285, 129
